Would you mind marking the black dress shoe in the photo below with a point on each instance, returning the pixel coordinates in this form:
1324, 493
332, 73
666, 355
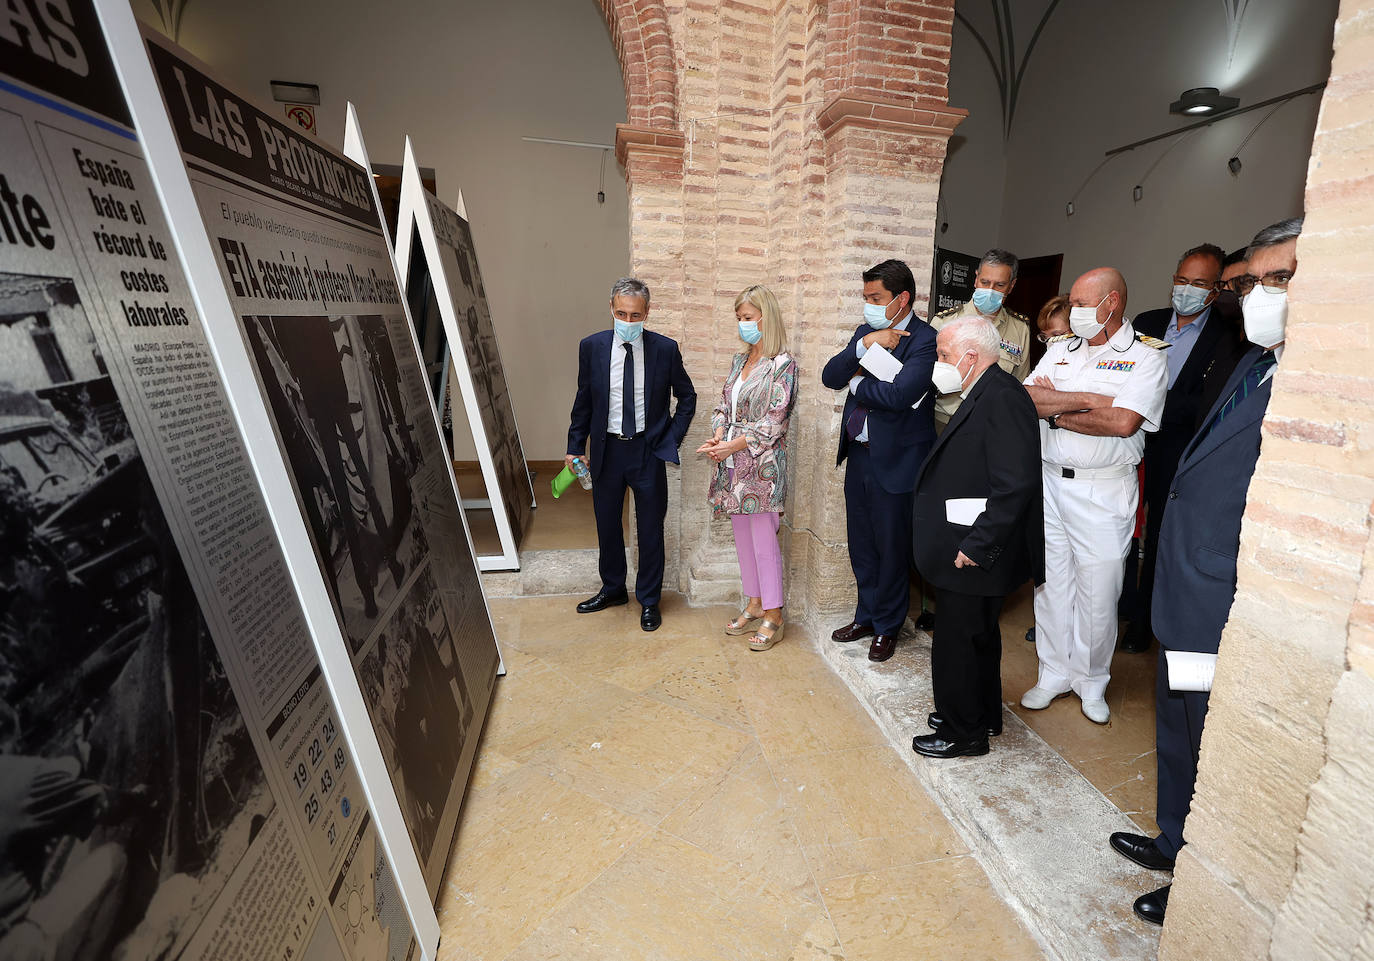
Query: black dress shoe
603, 599
1150, 907
937, 721
1030, 634
852, 632
933, 745
1137, 639
650, 618
1141, 850
926, 622
883, 647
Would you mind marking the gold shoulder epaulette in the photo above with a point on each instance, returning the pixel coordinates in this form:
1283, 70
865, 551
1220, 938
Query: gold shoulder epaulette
949, 313
1015, 316
1060, 339
1154, 342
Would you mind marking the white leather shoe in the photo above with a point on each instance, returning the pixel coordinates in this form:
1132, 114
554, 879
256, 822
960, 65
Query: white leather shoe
1095, 709
1038, 698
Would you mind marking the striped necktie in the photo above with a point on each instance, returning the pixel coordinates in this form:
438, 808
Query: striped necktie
1246, 387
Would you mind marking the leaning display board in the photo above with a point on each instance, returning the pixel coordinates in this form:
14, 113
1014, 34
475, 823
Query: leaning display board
295, 281
431, 232
175, 780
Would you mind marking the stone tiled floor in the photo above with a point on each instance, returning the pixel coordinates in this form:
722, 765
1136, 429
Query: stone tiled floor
673, 795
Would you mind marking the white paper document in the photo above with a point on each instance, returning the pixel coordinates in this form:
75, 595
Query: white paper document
1190, 671
965, 511
879, 362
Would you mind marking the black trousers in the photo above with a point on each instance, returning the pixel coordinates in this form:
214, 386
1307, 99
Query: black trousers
966, 663
630, 464
879, 527
1178, 739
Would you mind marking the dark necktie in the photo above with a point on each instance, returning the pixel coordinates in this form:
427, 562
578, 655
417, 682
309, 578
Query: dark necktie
627, 399
1246, 387
854, 425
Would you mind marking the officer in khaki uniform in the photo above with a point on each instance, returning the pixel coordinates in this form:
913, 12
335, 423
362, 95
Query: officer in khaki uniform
1099, 392
992, 284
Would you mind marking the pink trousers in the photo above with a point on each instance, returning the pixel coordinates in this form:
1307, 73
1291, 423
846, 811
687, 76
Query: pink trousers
760, 557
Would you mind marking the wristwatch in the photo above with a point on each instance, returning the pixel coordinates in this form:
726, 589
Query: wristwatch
1053, 421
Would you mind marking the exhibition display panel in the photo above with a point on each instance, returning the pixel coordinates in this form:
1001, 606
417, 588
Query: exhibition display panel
175, 776
436, 257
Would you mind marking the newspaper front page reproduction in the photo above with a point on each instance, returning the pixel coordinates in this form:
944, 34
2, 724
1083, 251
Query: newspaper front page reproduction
173, 780
302, 255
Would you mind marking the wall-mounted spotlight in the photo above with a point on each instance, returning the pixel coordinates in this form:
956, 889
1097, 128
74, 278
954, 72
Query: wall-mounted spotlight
1068, 209
1201, 101
1137, 193
1234, 165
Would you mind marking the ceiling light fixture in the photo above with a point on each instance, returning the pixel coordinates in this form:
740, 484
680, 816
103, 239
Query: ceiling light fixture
1201, 101
287, 91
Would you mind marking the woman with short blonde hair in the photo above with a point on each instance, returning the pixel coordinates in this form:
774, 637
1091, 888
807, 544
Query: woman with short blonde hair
749, 446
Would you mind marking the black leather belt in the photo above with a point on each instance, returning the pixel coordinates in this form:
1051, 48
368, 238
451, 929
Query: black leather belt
614, 436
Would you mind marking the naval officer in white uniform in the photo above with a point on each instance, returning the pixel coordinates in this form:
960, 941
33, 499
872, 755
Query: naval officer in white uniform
1099, 392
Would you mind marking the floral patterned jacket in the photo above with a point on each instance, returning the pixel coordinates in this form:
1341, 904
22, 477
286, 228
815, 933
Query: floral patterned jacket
758, 482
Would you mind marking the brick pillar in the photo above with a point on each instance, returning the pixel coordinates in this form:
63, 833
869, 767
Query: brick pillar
795, 144
1280, 860
872, 182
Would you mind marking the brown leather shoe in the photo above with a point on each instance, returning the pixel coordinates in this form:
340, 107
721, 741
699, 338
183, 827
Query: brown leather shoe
854, 632
882, 647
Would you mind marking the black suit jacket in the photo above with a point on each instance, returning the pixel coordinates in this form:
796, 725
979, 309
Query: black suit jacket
663, 371
1212, 358
899, 437
990, 449
1195, 575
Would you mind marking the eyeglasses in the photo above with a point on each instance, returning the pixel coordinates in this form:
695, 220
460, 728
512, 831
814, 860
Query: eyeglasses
1241, 284
1276, 281
1199, 284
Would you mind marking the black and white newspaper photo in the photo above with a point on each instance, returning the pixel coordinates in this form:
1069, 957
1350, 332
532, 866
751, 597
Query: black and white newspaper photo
164, 730
310, 278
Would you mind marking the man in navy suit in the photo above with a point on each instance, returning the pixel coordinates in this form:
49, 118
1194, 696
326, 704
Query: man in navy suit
886, 430
624, 376
1195, 580
1201, 332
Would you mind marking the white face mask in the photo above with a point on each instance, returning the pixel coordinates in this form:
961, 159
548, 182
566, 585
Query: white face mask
1266, 316
946, 377
1083, 320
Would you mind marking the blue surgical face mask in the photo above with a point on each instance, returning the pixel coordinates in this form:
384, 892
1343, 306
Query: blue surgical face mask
1188, 300
749, 331
987, 300
875, 316
627, 331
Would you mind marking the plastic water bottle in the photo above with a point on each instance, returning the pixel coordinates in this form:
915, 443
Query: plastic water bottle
584, 476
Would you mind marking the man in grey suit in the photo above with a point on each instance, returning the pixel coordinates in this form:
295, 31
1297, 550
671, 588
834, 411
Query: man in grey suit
1195, 579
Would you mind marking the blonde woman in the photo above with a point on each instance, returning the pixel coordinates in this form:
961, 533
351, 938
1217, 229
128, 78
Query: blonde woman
749, 446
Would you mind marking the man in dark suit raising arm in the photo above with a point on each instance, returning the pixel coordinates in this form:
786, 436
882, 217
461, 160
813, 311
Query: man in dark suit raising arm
885, 431
1199, 540
624, 376
979, 532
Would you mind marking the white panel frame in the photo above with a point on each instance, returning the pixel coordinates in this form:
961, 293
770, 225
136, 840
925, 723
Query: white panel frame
221, 327
414, 218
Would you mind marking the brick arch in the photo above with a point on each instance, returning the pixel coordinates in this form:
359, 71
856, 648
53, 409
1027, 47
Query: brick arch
639, 33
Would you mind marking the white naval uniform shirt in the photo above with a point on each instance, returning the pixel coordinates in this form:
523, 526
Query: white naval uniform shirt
613, 418
1134, 375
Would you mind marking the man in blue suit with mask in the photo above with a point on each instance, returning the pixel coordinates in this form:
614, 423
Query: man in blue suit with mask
886, 431
624, 376
1199, 542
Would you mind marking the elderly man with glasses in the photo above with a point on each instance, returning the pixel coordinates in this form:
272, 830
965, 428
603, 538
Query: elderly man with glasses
1203, 335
